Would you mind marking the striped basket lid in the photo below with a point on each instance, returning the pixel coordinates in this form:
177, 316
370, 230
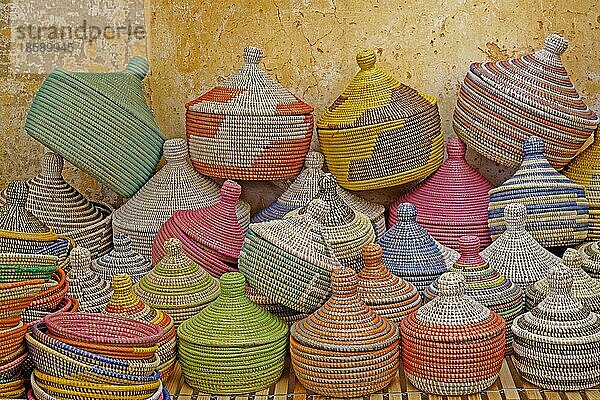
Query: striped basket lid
121, 145
409, 251
177, 186
85, 285
559, 325
305, 187
389, 295
177, 285
121, 259
500, 104
289, 260
346, 230
334, 339
557, 209
585, 288
211, 236
380, 132
453, 345
590, 252
452, 202
516, 254
485, 284
285, 313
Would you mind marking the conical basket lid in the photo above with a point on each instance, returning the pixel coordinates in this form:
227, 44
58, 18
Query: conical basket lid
122, 259
85, 285
14, 217
590, 252
585, 170
128, 304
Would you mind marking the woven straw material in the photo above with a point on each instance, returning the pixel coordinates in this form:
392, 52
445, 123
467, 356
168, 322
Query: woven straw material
16, 267
50, 299
233, 345
12, 340
126, 303
249, 127
345, 349
177, 186
557, 344
289, 261
449, 255
485, 285
388, 295
453, 345
516, 254
452, 202
16, 297
500, 104
305, 187
12, 388
101, 123
380, 132
285, 313
212, 236
121, 259
346, 230
177, 285
557, 209
33, 315
583, 287
85, 285
409, 252
590, 252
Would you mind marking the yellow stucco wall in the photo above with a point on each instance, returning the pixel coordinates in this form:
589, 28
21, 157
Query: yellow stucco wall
310, 47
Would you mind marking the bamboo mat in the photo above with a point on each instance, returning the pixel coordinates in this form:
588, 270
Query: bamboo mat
510, 386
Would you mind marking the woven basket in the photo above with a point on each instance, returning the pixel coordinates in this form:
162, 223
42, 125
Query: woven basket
126, 303
85, 285
177, 186
590, 252
285, 313
121, 259
51, 298
34, 315
557, 208
583, 287
449, 255
500, 104
305, 187
452, 345
16, 267
289, 261
557, 344
15, 297
212, 236
249, 127
345, 349
380, 132
409, 252
452, 202
232, 346
101, 123
346, 230
485, 285
177, 285
516, 254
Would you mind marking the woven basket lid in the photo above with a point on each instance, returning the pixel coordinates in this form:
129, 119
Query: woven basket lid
121, 145
177, 285
557, 208
305, 187
343, 335
410, 252
590, 252
453, 345
486, 285
346, 230
289, 260
380, 132
452, 202
177, 186
516, 254
449, 255
85, 285
583, 287
559, 325
390, 296
285, 313
501, 104
211, 236
121, 259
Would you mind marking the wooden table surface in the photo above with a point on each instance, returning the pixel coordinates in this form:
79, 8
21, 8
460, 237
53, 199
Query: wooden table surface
509, 386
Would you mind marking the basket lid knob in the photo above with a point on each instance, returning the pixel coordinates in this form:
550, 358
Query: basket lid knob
317, 210
230, 192
121, 242
343, 282
372, 254
314, 160
560, 279
80, 258
515, 216
556, 44
253, 55
16, 193
52, 165
456, 148
451, 284
533, 148
172, 246
138, 66
175, 149
121, 283
469, 245
406, 212
366, 59
233, 284
572, 259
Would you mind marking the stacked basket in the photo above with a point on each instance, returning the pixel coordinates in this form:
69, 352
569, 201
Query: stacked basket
344, 349
232, 346
380, 132
591, 259
557, 208
121, 259
212, 236
249, 127
101, 123
501, 104
452, 202
51, 299
91, 291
